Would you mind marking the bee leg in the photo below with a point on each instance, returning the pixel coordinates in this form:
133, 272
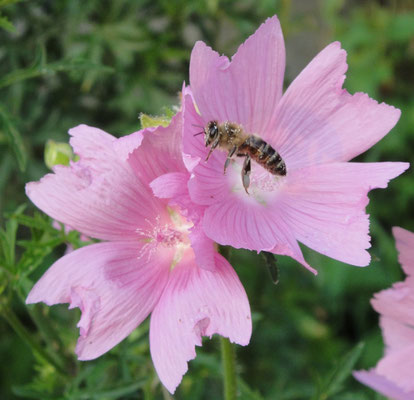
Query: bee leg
246, 173
213, 146
229, 156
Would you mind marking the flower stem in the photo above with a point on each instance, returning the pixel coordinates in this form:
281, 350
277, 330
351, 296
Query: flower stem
18, 327
228, 356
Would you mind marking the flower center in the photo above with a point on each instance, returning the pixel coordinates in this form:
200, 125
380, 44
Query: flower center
264, 186
172, 234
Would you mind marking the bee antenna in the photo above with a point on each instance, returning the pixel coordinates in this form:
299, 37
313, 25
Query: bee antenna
198, 126
199, 133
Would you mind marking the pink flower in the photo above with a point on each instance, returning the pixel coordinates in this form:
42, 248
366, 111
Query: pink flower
382, 385
316, 127
154, 257
394, 374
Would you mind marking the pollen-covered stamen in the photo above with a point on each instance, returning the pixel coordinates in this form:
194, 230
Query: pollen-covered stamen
172, 234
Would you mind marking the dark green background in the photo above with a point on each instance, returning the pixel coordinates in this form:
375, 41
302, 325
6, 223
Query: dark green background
102, 63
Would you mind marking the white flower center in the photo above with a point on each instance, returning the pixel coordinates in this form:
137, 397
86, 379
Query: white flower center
263, 187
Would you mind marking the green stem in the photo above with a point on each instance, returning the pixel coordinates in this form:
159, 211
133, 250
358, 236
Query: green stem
18, 327
228, 356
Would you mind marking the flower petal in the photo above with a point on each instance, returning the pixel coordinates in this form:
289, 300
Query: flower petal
247, 90
193, 132
405, 246
251, 226
196, 303
159, 151
170, 185
318, 122
382, 385
114, 284
398, 367
396, 302
203, 248
98, 195
397, 335
324, 206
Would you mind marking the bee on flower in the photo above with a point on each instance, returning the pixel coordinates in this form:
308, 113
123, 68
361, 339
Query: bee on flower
313, 129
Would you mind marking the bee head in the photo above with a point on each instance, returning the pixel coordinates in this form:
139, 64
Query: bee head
211, 132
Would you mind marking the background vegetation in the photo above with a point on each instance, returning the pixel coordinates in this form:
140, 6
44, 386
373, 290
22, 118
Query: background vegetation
101, 62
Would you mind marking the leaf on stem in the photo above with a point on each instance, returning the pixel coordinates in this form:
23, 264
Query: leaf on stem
334, 383
14, 138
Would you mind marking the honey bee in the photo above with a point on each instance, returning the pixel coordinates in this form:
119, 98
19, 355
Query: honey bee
231, 137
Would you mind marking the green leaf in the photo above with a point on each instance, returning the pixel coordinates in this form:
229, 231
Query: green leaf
8, 2
6, 24
8, 239
401, 27
46, 69
29, 393
246, 393
114, 393
342, 371
57, 153
4, 21
14, 137
38, 221
149, 122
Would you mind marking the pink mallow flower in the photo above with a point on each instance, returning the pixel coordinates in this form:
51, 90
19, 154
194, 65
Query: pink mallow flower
154, 257
394, 374
316, 126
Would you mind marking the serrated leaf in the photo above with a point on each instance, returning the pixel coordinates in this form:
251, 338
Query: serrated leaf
14, 137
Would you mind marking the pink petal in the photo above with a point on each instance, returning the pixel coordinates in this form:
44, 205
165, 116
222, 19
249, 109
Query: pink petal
397, 336
193, 128
382, 385
98, 195
126, 145
170, 185
203, 248
324, 206
405, 246
114, 284
250, 226
246, 90
318, 122
396, 302
196, 303
158, 153
398, 367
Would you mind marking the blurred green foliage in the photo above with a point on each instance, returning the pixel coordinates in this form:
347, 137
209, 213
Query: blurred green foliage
101, 62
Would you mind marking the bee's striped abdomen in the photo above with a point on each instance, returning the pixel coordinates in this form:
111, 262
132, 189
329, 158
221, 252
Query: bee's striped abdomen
263, 154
